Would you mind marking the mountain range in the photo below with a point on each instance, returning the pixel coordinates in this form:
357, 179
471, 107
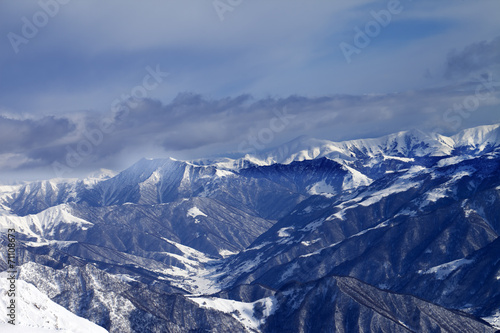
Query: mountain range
391, 234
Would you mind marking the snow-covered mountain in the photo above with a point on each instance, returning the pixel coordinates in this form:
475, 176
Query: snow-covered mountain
407, 144
395, 234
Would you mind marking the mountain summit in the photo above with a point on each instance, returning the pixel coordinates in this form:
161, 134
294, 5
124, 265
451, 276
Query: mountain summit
409, 144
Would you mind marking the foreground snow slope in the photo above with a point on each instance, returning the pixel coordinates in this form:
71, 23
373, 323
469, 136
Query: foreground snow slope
37, 313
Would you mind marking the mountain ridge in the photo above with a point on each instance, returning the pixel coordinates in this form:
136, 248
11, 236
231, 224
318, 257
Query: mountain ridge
305, 147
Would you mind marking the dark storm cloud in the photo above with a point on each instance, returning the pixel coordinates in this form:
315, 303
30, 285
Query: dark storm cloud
198, 126
22, 135
476, 58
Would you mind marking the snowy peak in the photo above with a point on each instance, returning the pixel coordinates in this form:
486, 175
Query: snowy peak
99, 176
301, 149
406, 144
413, 143
478, 137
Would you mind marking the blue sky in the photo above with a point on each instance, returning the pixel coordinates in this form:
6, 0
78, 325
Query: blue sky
228, 71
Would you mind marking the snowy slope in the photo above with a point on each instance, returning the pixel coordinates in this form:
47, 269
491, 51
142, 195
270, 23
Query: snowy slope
241, 311
8, 328
478, 137
7, 192
494, 320
98, 176
37, 313
443, 270
45, 224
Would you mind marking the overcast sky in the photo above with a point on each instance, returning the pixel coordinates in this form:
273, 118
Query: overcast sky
99, 84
